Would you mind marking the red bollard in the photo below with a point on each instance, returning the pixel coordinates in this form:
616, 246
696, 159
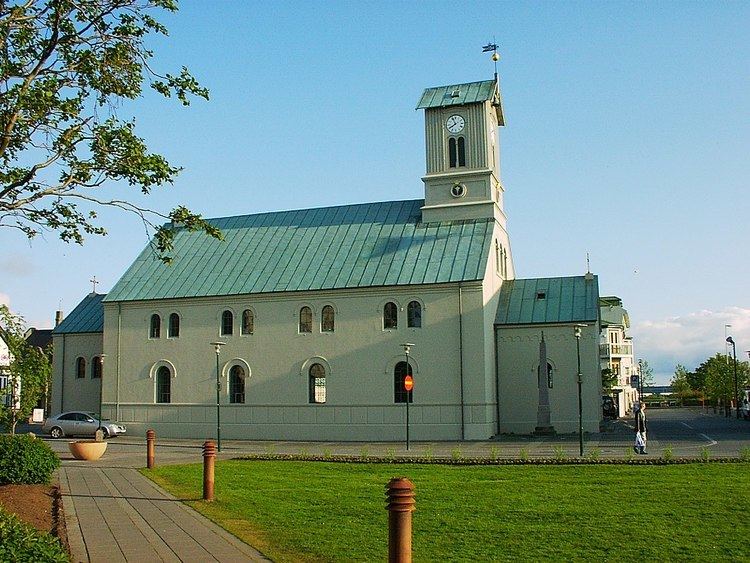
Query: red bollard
150, 438
400, 504
209, 456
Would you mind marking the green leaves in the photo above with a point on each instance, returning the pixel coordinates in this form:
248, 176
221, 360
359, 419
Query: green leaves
30, 371
58, 153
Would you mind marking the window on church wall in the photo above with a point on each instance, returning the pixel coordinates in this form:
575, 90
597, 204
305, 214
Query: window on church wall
248, 322
414, 314
155, 330
461, 151
497, 258
305, 319
174, 325
227, 323
237, 385
327, 319
390, 315
549, 376
317, 389
452, 153
80, 367
163, 385
400, 394
96, 367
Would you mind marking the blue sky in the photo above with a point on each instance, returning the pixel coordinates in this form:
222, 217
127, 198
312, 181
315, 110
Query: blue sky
627, 137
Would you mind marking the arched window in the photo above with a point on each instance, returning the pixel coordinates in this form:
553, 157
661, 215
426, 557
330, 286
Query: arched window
390, 315
96, 367
461, 152
163, 385
174, 325
317, 384
539, 377
155, 331
227, 322
248, 322
497, 258
237, 385
452, 153
305, 319
80, 367
414, 314
327, 319
399, 374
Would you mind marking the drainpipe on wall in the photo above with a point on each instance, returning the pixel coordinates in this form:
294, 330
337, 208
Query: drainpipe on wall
62, 377
461, 356
117, 369
497, 384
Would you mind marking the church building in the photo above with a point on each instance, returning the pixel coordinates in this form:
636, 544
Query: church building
311, 320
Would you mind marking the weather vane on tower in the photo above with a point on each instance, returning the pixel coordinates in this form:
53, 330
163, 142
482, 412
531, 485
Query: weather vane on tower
495, 55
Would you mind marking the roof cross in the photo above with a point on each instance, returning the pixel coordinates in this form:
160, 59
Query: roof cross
94, 281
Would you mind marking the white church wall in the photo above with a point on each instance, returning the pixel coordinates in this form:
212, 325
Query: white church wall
359, 358
518, 361
70, 392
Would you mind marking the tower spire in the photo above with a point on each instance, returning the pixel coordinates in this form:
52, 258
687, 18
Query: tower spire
495, 55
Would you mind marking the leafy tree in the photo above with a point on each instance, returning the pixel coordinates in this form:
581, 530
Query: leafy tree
65, 66
680, 384
29, 372
719, 377
697, 380
609, 380
646, 373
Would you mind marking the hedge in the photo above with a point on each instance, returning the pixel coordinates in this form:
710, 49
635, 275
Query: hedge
22, 543
24, 459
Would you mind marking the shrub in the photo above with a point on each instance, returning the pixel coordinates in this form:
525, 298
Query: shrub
745, 454
594, 454
523, 454
21, 542
705, 454
26, 460
560, 453
456, 453
667, 455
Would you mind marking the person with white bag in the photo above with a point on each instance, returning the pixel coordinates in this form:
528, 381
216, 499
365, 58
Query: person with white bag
640, 429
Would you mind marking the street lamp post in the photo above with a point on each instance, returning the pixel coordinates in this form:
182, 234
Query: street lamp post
640, 380
577, 332
217, 348
408, 383
736, 390
101, 392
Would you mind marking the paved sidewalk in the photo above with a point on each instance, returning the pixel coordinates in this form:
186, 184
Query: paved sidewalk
116, 514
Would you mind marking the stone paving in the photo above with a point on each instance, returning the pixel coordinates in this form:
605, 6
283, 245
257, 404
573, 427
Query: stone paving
116, 514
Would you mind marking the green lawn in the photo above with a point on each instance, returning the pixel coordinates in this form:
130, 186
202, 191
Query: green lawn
315, 511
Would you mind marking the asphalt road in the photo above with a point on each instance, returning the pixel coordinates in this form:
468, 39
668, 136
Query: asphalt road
688, 432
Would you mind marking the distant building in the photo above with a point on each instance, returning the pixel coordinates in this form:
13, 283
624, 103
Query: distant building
616, 351
314, 308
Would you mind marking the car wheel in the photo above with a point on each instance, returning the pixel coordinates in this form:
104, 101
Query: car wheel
105, 433
56, 432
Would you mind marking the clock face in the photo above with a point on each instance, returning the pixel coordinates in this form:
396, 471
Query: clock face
455, 124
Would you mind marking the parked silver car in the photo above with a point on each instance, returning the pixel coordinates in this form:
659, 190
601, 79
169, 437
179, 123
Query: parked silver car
79, 423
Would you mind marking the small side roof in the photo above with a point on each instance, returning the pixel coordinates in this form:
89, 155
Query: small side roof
548, 300
88, 316
462, 94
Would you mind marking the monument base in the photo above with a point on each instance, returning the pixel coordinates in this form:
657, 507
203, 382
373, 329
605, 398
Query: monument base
544, 431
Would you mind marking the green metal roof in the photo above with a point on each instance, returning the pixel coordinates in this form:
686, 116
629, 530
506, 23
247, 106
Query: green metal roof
461, 94
548, 300
88, 316
367, 245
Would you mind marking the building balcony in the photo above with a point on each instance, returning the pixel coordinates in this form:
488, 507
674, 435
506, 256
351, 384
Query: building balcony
609, 350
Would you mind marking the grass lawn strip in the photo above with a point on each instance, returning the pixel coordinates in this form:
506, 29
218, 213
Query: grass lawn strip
318, 511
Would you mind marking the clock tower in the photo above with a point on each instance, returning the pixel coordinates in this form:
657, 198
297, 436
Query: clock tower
463, 169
